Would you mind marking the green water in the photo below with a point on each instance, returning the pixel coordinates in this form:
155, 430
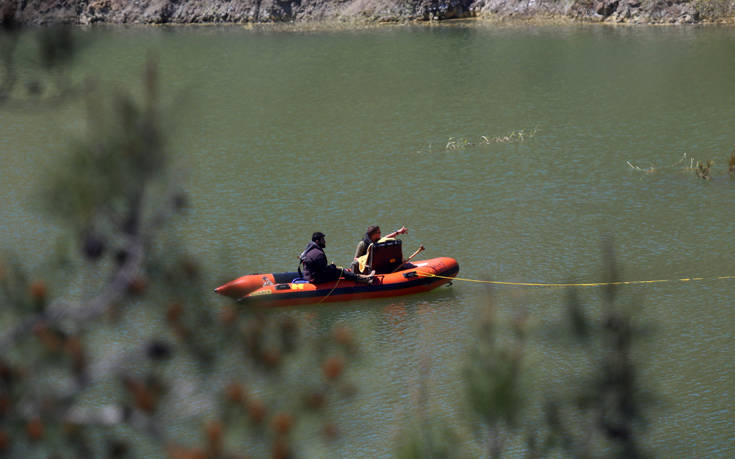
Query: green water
284, 133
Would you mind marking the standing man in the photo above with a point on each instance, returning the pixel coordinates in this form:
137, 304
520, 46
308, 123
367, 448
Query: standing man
317, 271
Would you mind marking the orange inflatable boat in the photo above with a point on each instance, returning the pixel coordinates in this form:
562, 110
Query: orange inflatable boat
287, 289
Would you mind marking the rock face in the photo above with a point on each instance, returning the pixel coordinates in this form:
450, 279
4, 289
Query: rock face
265, 11
645, 12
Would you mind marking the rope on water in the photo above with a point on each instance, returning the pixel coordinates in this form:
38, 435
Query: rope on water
570, 284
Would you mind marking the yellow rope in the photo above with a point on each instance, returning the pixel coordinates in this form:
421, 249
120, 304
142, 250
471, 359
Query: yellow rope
590, 284
341, 272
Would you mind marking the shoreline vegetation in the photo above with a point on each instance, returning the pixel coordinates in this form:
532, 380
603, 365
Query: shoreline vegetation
358, 13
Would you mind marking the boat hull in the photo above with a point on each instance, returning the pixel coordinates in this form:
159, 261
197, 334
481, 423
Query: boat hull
265, 290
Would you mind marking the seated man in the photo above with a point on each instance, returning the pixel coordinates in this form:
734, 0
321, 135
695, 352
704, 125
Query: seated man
372, 235
317, 271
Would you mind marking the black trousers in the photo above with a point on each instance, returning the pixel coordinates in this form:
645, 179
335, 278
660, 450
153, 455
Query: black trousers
332, 273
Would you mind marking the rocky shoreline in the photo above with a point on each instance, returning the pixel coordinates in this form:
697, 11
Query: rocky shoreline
39, 12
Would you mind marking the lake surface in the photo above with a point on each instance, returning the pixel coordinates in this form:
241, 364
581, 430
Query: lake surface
286, 132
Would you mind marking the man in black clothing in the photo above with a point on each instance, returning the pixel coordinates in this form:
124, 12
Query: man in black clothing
315, 267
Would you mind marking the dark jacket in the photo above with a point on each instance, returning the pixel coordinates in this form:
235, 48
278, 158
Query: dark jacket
314, 264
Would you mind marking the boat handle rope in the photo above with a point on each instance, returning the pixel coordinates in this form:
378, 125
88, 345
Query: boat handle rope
341, 272
570, 284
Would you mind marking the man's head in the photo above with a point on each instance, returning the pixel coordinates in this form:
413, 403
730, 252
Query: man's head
373, 233
318, 237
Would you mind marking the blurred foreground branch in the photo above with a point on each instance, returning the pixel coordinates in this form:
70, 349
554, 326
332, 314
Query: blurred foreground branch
595, 405
43, 55
137, 353
88, 199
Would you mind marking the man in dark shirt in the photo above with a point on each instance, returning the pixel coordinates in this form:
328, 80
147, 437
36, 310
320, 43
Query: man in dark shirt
315, 267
